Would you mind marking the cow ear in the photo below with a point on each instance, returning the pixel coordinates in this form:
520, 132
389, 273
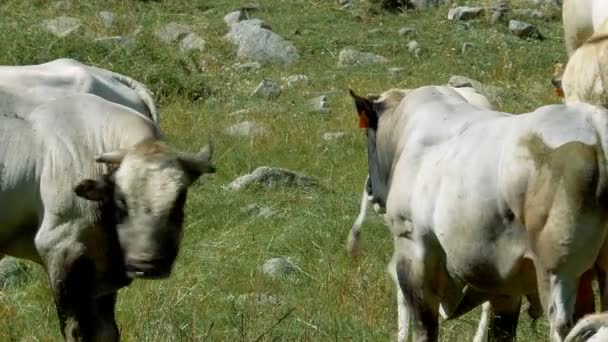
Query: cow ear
93, 190
197, 164
365, 109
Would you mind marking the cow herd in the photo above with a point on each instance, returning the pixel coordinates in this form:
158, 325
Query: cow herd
484, 207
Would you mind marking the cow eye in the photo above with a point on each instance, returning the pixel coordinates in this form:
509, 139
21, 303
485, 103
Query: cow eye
121, 203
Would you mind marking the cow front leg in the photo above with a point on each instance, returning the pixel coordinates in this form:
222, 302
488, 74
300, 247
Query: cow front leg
72, 280
106, 328
505, 318
558, 296
422, 305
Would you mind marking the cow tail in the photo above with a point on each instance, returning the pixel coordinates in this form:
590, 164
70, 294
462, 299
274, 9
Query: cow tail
144, 93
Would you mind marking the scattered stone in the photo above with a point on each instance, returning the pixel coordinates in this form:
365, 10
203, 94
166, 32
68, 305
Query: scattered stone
62, 26
413, 47
466, 47
239, 113
255, 40
404, 31
464, 13
330, 136
320, 104
235, 17
374, 30
346, 4
493, 93
259, 211
246, 129
107, 18
172, 32
272, 178
192, 42
278, 267
247, 67
350, 57
268, 89
498, 9
116, 41
292, 80
524, 30
256, 299
530, 13
13, 272
395, 71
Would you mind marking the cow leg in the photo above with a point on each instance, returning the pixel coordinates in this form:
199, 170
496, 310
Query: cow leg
403, 317
106, 319
558, 296
481, 335
422, 305
505, 318
353, 244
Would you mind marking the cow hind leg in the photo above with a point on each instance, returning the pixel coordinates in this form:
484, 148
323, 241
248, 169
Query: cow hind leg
106, 319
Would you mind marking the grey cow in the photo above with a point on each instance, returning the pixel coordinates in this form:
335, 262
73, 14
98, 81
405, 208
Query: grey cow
94, 223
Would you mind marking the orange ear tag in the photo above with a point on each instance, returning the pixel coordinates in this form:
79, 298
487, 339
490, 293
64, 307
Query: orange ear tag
559, 92
363, 120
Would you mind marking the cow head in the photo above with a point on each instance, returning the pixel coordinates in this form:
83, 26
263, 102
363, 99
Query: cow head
147, 192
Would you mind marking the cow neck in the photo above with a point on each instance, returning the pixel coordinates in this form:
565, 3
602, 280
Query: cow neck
378, 175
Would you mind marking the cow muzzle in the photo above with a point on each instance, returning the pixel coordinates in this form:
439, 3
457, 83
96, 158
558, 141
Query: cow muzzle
148, 269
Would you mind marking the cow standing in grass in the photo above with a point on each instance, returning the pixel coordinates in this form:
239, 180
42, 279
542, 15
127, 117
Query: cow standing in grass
485, 205
94, 223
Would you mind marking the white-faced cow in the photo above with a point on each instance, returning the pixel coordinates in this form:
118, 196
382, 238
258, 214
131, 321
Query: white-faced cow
592, 328
94, 223
36, 84
489, 206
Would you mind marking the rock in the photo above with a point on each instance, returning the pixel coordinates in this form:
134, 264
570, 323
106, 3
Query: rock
464, 13
192, 42
346, 4
13, 272
498, 10
259, 211
278, 267
329, 136
172, 32
524, 30
247, 67
116, 41
530, 13
292, 80
493, 93
239, 113
395, 71
235, 17
404, 31
466, 47
256, 299
255, 40
350, 57
268, 89
246, 129
62, 26
413, 47
107, 18
320, 104
272, 178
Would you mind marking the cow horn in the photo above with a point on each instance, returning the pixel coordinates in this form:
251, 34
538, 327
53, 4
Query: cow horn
114, 157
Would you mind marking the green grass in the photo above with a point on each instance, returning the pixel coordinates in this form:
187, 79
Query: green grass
333, 298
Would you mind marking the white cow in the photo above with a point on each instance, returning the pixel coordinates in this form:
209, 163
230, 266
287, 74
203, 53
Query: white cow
36, 84
592, 328
485, 205
581, 18
93, 226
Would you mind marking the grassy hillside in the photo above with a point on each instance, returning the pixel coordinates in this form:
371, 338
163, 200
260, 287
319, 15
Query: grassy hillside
333, 297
